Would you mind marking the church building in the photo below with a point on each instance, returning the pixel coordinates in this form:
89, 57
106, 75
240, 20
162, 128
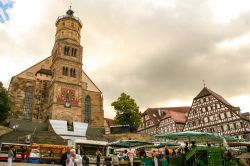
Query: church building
57, 88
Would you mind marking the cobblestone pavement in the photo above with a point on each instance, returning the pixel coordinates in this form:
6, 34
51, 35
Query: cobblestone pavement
24, 164
30, 164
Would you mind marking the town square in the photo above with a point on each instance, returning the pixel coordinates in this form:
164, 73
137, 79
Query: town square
128, 83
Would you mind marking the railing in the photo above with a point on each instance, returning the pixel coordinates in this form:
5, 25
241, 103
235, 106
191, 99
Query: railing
66, 16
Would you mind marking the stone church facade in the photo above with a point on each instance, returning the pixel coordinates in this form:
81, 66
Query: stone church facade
57, 87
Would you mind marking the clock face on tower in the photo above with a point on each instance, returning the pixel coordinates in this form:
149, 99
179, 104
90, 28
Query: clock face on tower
67, 97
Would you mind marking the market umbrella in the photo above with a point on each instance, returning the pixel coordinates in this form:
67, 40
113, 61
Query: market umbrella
188, 136
129, 143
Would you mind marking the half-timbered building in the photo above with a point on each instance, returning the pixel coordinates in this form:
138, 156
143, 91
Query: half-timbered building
163, 120
210, 112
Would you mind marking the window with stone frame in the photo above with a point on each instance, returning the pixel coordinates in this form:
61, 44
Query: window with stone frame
65, 71
28, 100
73, 72
87, 117
75, 51
66, 50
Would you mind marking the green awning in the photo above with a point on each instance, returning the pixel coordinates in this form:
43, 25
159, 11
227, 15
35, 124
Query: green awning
128, 143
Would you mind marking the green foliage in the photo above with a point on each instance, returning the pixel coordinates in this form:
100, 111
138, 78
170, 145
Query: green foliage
4, 103
127, 111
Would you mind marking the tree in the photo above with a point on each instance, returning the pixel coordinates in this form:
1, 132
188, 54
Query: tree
127, 111
4, 103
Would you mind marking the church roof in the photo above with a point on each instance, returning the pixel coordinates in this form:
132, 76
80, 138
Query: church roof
44, 67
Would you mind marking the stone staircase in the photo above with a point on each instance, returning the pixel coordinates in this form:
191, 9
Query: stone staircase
40, 137
48, 137
14, 137
38, 131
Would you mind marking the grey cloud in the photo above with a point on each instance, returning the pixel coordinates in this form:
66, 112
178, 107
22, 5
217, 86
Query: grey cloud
174, 50
158, 53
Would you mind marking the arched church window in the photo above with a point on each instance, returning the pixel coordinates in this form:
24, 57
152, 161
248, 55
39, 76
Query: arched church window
87, 116
28, 103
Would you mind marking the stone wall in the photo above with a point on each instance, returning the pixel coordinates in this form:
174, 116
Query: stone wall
97, 113
127, 136
4, 130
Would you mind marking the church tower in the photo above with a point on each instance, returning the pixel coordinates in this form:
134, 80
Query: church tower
66, 86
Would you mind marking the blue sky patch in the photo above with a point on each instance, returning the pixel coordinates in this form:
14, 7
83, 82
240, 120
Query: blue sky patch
4, 6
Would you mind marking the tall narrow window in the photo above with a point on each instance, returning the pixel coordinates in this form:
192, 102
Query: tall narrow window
65, 71
66, 50
28, 103
73, 72
72, 51
75, 50
87, 110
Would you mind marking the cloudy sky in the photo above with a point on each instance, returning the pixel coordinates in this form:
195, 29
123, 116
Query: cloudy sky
157, 51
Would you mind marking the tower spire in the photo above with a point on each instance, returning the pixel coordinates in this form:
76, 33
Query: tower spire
70, 12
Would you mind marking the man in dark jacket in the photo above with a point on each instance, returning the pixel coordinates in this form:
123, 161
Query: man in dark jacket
66, 156
85, 160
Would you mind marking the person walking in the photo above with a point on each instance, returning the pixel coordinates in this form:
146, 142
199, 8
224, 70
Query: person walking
10, 156
66, 156
78, 150
98, 157
85, 160
131, 155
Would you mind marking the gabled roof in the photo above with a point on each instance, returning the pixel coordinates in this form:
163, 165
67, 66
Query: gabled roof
110, 122
178, 117
206, 92
156, 114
